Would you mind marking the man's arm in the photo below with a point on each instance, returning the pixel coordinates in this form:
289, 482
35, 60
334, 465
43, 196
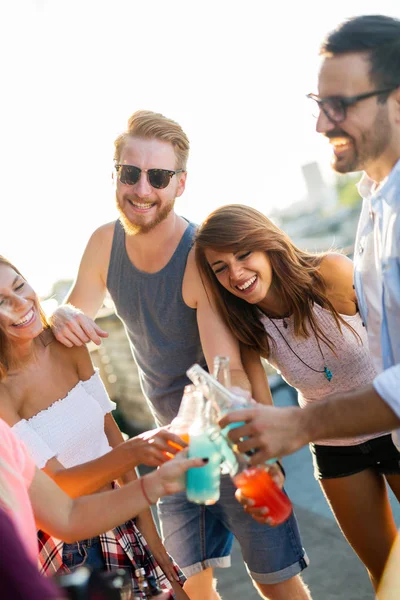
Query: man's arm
73, 323
281, 431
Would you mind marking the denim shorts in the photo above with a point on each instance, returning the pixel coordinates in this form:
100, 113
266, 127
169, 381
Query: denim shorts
199, 537
379, 454
85, 552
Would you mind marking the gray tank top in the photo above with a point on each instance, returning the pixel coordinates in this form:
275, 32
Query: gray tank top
161, 328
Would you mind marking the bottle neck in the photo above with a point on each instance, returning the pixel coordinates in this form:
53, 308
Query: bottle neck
223, 398
222, 371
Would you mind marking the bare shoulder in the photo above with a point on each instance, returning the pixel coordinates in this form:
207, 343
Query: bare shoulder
102, 237
78, 356
8, 411
193, 289
336, 269
96, 258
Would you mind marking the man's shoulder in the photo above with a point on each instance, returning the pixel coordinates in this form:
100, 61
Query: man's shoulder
104, 232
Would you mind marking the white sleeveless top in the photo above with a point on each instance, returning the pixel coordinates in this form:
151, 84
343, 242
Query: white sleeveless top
351, 368
70, 429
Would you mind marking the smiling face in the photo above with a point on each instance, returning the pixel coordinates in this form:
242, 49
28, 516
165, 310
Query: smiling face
363, 141
19, 307
247, 275
141, 206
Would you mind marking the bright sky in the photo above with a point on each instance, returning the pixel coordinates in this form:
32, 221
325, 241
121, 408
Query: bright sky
233, 74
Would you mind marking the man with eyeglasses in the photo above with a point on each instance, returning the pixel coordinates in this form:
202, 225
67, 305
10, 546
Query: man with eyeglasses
145, 260
359, 113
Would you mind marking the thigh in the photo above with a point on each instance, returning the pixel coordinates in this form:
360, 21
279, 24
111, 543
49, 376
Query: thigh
362, 509
193, 535
394, 482
271, 554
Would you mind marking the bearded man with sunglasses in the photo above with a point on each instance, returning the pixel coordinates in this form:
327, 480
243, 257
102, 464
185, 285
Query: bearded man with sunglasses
145, 260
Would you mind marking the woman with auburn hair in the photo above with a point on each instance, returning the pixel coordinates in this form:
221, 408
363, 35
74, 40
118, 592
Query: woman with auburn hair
57, 405
298, 310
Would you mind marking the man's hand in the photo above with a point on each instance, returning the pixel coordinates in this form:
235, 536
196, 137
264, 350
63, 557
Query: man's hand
269, 431
152, 448
72, 327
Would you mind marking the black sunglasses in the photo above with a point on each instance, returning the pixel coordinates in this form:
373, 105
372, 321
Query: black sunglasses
157, 178
335, 107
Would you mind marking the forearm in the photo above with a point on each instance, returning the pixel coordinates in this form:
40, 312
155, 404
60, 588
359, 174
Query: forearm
87, 516
91, 476
144, 520
240, 379
361, 411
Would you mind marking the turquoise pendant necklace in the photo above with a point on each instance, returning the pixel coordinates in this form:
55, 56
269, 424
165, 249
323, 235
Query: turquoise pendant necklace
327, 372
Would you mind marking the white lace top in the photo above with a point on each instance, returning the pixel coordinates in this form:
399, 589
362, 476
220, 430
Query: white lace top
351, 367
71, 429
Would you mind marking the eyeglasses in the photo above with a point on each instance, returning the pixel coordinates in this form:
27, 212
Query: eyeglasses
335, 107
157, 178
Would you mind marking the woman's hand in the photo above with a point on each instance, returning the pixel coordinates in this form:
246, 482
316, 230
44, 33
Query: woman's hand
152, 448
260, 514
170, 477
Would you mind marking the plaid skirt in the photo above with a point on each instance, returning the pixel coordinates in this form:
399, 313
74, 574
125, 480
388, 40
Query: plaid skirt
123, 547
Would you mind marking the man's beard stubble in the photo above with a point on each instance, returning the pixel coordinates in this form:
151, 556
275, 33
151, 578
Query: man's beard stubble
136, 228
371, 145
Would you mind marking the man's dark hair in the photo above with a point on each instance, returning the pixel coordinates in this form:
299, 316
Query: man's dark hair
378, 36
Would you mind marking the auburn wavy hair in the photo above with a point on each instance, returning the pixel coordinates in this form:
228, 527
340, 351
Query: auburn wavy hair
6, 349
295, 275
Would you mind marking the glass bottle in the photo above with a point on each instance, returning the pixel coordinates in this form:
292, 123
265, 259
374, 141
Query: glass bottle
255, 482
142, 582
222, 399
222, 374
181, 423
157, 592
222, 371
203, 483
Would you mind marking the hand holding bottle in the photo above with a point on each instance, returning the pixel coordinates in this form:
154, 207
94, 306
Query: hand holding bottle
255, 482
170, 477
260, 485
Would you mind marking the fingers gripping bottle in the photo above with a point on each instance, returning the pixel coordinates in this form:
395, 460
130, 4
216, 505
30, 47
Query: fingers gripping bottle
254, 481
181, 423
202, 485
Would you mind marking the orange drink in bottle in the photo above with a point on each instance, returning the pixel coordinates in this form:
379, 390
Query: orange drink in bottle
256, 483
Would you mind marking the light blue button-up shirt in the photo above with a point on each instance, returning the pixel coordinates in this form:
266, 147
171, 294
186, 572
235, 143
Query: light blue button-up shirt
377, 280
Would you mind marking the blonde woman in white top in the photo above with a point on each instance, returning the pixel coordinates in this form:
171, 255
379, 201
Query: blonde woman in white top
58, 406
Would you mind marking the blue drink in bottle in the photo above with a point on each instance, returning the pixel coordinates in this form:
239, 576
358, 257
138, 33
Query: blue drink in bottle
202, 485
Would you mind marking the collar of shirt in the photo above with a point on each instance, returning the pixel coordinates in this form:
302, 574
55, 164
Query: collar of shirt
367, 187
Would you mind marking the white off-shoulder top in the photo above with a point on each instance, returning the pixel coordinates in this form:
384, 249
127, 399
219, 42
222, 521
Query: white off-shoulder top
71, 429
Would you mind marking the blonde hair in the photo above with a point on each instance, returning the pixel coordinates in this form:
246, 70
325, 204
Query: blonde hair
150, 125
